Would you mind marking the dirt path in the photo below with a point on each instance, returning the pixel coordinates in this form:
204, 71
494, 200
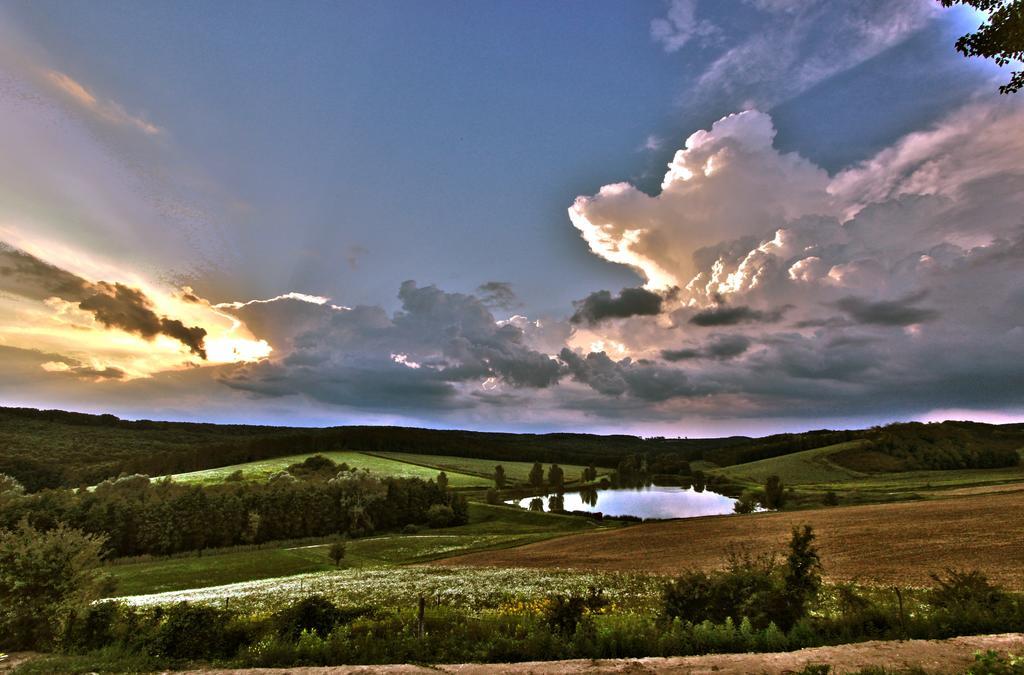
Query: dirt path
899, 543
934, 656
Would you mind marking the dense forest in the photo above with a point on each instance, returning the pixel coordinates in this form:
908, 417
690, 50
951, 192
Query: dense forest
914, 446
139, 516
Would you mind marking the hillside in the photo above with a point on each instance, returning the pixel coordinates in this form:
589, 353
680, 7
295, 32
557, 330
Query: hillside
50, 448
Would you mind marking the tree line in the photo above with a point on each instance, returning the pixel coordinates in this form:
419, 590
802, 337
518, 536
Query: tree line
139, 516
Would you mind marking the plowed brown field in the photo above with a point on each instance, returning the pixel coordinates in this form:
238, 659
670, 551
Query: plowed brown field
897, 543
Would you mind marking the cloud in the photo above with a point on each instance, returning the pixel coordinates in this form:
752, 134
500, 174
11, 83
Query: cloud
721, 347
731, 315
926, 237
114, 305
680, 25
106, 109
900, 312
82, 371
800, 44
435, 353
601, 305
644, 381
699, 205
498, 294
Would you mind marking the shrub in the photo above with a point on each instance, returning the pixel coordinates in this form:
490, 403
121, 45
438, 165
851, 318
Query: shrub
992, 662
747, 502
315, 613
756, 588
564, 612
440, 515
411, 528
492, 497
190, 631
45, 578
336, 551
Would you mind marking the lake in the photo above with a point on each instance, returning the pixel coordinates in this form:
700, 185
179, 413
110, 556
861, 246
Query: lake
643, 502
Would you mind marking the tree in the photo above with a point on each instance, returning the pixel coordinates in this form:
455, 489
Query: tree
747, 502
536, 504
774, 493
336, 551
802, 574
590, 474
556, 477
492, 496
440, 515
46, 580
499, 477
1000, 37
537, 475
442, 481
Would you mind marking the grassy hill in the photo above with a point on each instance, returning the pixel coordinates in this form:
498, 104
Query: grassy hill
263, 469
798, 468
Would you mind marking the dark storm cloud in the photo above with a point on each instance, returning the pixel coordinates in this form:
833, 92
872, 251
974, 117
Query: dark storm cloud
721, 347
498, 294
418, 358
726, 315
901, 312
601, 305
113, 305
639, 379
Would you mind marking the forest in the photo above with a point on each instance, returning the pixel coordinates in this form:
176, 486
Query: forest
138, 516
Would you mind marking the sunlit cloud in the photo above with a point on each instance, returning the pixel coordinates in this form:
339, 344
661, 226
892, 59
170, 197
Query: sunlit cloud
106, 109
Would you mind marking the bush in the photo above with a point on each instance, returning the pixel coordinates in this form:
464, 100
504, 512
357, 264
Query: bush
315, 614
564, 612
758, 588
440, 515
46, 578
411, 528
965, 602
191, 631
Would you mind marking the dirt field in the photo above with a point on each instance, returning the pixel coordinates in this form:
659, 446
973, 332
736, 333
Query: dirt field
934, 656
882, 543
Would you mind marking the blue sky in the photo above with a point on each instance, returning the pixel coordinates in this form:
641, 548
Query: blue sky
336, 150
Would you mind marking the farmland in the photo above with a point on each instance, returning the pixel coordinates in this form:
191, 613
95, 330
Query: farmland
881, 543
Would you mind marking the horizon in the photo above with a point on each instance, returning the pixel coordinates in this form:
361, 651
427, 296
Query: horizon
515, 217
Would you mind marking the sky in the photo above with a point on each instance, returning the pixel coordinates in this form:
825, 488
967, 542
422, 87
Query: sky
679, 218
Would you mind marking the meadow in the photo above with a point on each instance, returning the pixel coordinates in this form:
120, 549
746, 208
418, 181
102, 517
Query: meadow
263, 469
813, 472
515, 472
490, 527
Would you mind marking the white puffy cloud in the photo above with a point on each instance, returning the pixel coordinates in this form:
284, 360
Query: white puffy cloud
725, 183
890, 288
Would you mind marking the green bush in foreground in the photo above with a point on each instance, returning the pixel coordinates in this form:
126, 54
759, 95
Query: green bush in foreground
757, 604
46, 580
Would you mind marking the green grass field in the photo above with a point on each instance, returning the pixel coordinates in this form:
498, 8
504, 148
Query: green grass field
489, 527
811, 471
799, 468
518, 472
375, 464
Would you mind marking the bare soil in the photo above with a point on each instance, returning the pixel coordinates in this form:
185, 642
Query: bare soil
899, 543
934, 656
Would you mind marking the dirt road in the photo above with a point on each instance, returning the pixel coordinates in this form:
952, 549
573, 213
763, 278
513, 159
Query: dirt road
934, 656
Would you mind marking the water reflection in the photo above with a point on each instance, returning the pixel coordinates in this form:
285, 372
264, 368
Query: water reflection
643, 502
